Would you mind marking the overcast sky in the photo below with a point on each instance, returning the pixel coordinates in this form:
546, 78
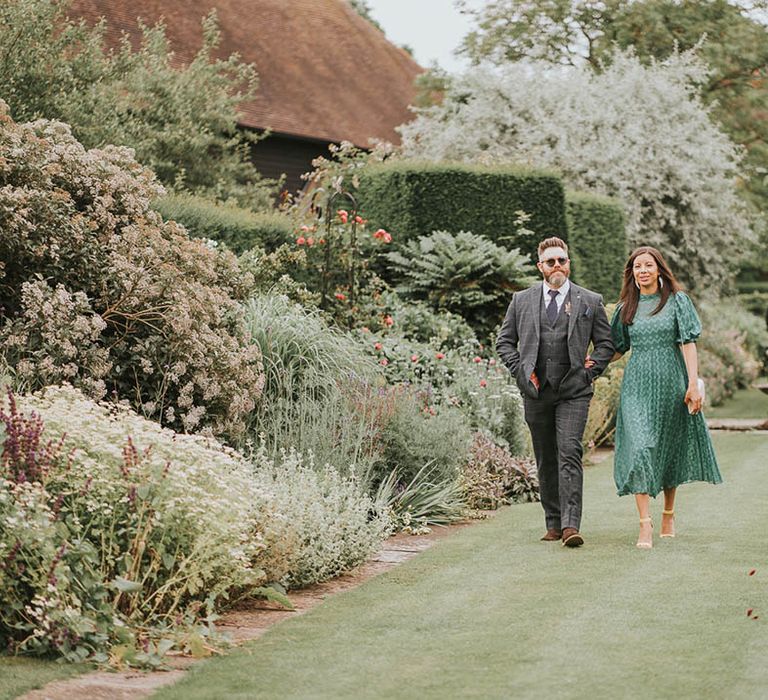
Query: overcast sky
432, 28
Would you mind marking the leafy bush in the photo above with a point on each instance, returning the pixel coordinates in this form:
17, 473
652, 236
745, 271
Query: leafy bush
411, 197
414, 437
604, 406
597, 242
333, 524
726, 359
237, 228
493, 477
180, 120
98, 291
463, 273
112, 525
418, 321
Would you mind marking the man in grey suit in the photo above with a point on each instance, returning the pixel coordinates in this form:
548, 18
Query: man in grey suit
544, 342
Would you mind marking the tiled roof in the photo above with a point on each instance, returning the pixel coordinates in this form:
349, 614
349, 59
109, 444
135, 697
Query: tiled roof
324, 71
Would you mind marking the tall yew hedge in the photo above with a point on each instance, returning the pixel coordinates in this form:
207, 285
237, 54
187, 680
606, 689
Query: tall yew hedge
412, 199
597, 242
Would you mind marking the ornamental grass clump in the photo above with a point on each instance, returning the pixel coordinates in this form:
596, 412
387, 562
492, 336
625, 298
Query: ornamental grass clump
113, 529
98, 291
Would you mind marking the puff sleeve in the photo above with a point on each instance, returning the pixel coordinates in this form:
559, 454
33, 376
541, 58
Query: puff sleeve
619, 332
688, 323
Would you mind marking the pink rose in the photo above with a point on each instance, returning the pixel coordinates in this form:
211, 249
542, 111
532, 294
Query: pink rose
439, 355
301, 240
483, 383
310, 241
343, 215
377, 346
384, 362
477, 359
414, 358
389, 321
340, 296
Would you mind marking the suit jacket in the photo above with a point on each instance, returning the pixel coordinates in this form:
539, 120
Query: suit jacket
518, 341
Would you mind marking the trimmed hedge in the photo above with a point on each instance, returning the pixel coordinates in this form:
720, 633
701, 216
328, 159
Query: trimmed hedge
412, 199
238, 229
597, 242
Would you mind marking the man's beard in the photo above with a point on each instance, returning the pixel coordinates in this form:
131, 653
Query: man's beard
556, 279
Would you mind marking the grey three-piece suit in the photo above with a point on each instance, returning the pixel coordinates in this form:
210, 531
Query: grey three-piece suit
556, 413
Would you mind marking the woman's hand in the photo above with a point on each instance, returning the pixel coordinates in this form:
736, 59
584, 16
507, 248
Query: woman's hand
589, 363
693, 398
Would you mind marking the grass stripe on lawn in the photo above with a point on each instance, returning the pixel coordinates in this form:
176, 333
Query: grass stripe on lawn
493, 612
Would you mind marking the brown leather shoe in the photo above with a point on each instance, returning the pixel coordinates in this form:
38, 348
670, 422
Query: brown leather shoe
572, 538
552, 535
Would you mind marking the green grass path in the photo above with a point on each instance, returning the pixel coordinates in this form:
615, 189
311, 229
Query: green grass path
746, 403
493, 613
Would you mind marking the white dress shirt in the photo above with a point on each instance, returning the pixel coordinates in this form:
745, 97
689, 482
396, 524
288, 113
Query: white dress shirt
562, 293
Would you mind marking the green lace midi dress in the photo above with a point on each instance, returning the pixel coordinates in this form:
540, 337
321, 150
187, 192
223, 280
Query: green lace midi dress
658, 443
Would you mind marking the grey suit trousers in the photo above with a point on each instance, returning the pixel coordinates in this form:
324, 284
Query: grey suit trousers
557, 428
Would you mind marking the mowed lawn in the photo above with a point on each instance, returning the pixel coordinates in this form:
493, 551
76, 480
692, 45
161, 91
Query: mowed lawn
493, 613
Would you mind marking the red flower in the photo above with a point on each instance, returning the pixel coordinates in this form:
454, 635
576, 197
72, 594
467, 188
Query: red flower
389, 321
301, 240
483, 383
384, 362
377, 346
414, 358
359, 219
380, 233
310, 241
343, 215
321, 241
439, 355
387, 237
340, 296
477, 359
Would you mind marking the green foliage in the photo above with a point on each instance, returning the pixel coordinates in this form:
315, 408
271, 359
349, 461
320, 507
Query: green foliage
98, 291
411, 198
597, 242
425, 500
238, 228
181, 121
493, 477
413, 438
465, 273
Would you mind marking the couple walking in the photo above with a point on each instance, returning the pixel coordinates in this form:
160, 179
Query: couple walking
662, 439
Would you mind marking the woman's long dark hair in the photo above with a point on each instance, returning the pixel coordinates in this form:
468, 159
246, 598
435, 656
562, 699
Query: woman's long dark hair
630, 294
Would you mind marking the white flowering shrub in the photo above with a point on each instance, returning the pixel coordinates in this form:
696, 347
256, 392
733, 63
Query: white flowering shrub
334, 525
96, 289
109, 520
636, 132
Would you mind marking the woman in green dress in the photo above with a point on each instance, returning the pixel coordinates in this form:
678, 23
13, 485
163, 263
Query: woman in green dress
662, 439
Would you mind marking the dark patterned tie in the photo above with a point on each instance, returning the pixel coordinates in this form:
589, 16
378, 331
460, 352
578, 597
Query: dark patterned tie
552, 306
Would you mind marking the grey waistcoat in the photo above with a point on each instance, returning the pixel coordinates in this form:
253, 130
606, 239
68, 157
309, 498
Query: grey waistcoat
553, 361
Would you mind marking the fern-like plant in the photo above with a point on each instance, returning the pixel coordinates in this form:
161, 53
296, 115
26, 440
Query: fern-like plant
463, 273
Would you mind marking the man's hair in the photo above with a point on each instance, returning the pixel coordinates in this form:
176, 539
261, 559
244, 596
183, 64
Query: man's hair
553, 242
